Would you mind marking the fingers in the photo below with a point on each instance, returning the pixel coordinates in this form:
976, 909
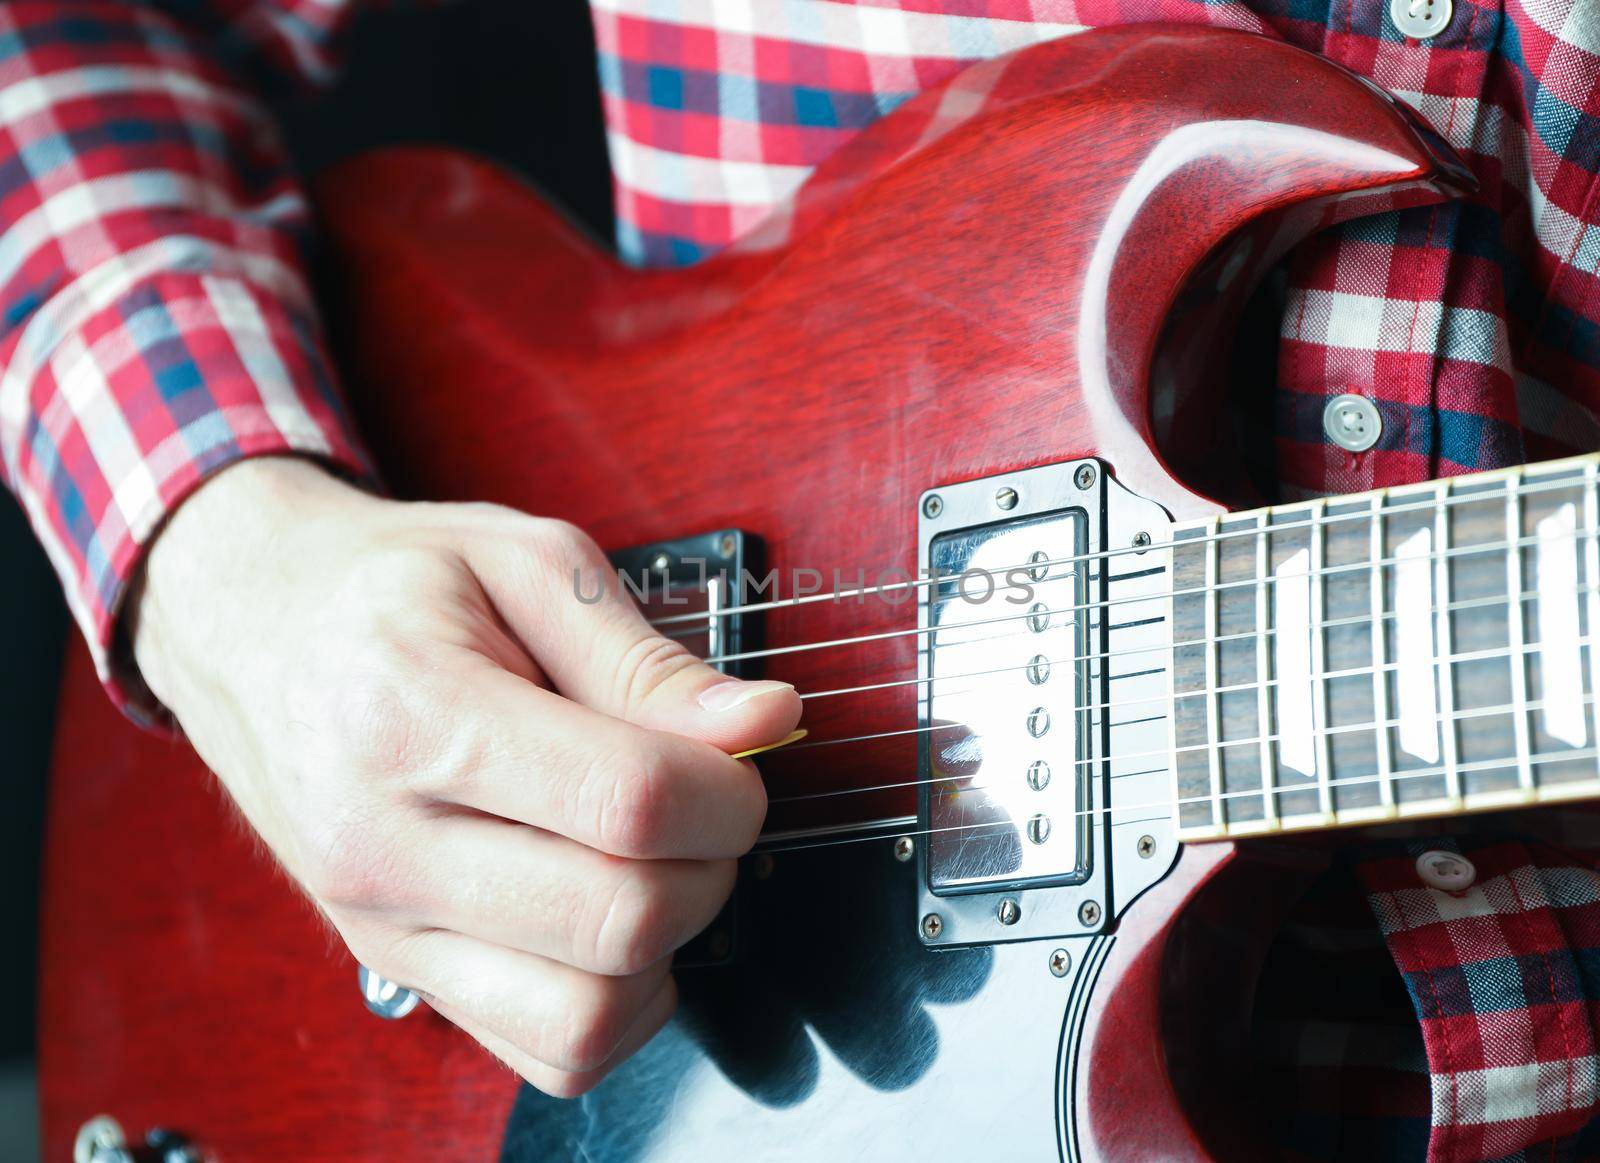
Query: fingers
545, 894
604, 654
572, 1021
562, 1083
543, 760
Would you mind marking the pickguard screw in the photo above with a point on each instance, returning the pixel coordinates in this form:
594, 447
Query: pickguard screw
1141, 541
762, 865
1009, 912
904, 849
661, 563
932, 506
1084, 477
1060, 962
1006, 499
932, 926
1089, 913
1147, 846
727, 545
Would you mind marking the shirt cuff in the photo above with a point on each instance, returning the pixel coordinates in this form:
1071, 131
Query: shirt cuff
139, 404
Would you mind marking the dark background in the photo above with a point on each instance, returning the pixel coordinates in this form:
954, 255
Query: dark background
514, 79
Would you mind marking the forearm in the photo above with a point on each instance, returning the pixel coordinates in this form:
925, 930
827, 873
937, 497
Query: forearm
155, 318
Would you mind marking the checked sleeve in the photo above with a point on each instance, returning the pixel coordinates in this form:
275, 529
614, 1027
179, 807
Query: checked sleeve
155, 319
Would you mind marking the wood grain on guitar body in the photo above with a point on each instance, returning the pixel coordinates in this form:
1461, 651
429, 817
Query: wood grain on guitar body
977, 929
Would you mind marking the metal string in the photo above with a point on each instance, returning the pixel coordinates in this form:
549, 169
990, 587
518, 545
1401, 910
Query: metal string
1523, 489
1169, 806
1173, 750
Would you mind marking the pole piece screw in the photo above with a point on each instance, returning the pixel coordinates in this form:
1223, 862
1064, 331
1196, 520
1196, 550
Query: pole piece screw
932, 926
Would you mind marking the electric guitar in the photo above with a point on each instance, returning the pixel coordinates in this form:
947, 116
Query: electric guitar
939, 445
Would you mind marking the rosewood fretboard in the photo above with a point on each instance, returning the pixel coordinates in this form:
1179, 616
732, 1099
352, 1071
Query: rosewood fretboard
1419, 651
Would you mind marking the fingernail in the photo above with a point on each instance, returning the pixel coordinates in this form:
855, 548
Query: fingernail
725, 696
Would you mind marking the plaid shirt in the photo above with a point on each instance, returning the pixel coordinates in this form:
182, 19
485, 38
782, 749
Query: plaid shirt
157, 325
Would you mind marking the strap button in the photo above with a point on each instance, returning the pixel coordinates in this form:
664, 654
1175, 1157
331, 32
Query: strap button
1420, 19
1352, 422
1447, 871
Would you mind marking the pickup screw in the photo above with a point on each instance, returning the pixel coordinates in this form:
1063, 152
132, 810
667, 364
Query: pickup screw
1141, 541
727, 545
904, 849
1089, 913
661, 563
1006, 499
1147, 846
1084, 477
932, 505
1009, 912
1060, 962
932, 926
762, 865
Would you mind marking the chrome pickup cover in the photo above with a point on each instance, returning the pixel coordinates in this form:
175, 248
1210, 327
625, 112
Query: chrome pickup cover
1041, 788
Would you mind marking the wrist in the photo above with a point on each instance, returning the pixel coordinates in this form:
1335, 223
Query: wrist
234, 532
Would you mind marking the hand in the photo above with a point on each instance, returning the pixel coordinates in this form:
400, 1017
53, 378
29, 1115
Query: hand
512, 802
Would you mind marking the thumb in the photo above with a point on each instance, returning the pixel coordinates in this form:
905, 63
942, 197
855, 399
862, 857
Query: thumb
597, 648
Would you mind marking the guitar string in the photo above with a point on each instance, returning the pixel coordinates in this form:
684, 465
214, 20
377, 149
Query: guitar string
1209, 641
1171, 752
1449, 501
1331, 623
1168, 806
1432, 557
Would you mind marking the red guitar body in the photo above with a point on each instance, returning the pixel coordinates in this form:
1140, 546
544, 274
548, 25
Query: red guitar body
1038, 262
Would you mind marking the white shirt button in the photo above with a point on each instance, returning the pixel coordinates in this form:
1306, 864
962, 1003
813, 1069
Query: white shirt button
1352, 422
1420, 19
1448, 871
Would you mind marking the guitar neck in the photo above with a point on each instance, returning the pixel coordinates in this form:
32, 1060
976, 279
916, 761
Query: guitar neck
1419, 651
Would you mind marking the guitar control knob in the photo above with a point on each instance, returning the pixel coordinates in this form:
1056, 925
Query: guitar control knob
385, 998
102, 1140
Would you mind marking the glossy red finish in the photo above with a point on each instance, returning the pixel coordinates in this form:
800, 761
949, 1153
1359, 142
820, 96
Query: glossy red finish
954, 295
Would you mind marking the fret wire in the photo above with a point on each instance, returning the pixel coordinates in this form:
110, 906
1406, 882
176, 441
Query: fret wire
1330, 571
1384, 744
1591, 503
1517, 630
1264, 717
1423, 808
1319, 687
1442, 649
1213, 700
1105, 554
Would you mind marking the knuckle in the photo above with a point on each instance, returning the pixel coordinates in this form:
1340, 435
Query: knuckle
554, 541
354, 866
635, 929
392, 719
648, 664
635, 818
596, 1022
